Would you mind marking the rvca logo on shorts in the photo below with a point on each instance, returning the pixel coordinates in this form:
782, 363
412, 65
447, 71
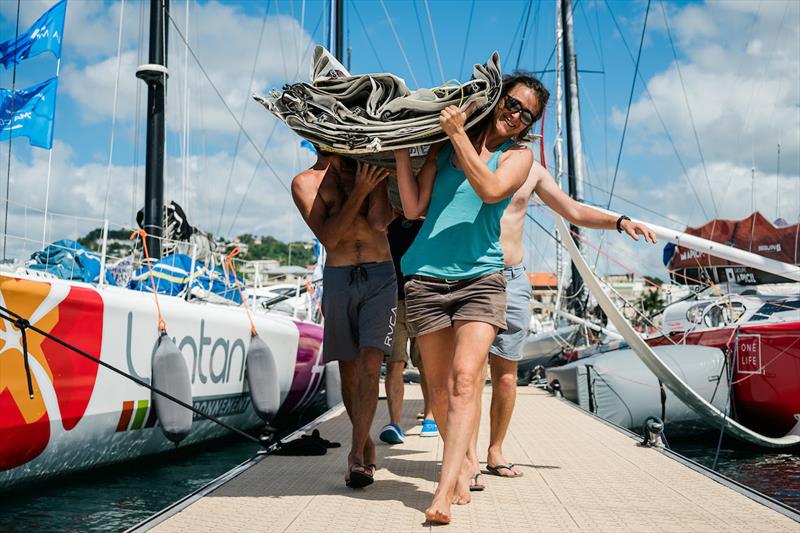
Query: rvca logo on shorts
392, 321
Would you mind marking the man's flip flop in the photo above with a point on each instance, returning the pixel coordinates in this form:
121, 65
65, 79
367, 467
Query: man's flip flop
358, 479
495, 470
475, 485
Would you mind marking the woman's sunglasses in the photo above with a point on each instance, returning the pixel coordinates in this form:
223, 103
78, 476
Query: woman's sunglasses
515, 106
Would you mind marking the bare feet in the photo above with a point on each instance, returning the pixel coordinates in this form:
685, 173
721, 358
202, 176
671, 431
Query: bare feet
461, 495
438, 512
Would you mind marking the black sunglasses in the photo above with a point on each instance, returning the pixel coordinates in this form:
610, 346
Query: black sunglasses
515, 106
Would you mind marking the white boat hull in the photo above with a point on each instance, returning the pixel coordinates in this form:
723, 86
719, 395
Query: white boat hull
84, 415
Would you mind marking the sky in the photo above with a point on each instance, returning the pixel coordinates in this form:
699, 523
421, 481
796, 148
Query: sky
717, 92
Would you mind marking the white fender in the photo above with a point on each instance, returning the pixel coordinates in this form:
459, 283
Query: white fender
262, 379
333, 384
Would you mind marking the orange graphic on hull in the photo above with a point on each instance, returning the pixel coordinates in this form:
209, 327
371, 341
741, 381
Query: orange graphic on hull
73, 314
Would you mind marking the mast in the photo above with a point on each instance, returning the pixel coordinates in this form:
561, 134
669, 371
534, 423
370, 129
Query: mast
335, 37
155, 74
574, 144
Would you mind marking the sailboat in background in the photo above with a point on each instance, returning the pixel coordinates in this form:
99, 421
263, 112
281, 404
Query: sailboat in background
736, 364
61, 411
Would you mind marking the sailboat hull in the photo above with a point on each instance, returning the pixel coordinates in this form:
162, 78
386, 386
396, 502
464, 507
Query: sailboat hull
83, 415
766, 363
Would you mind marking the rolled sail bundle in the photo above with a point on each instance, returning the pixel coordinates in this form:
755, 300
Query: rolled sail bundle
369, 115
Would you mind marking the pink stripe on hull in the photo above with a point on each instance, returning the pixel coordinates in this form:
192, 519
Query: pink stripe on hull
308, 368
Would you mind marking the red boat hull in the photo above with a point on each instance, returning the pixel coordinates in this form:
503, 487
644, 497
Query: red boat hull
766, 379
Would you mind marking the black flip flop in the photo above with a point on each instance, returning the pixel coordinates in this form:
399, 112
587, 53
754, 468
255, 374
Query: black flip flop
359, 480
495, 470
476, 486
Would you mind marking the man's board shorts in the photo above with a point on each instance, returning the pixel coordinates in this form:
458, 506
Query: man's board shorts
359, 303
433, 304
400, 345
508, 343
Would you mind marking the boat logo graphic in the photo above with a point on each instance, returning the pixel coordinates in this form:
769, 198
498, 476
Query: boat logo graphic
62, 380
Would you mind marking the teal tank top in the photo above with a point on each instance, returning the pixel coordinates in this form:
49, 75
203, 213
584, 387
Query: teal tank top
460, 238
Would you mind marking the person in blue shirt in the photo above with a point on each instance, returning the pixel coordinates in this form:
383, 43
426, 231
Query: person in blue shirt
455, 288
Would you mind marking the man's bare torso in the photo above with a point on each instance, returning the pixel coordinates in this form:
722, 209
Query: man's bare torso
512, 224
360, 242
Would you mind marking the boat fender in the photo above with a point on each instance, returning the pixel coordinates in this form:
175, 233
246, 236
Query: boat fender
652, 429
170, 374
333, 384
262, 379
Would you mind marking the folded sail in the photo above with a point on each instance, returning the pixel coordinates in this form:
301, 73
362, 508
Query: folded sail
371, 113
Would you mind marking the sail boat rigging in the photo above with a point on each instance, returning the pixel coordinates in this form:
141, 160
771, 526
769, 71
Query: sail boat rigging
76, 404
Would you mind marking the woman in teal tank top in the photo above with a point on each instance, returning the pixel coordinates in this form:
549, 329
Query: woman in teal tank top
455, 288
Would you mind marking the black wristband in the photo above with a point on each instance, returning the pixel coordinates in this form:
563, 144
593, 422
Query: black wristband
619, 222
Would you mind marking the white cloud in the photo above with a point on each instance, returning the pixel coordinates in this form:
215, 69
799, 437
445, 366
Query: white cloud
226, 54
78, 192
740, 69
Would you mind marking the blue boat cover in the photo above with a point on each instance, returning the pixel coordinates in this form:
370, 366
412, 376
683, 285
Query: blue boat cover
67, 259
172, 273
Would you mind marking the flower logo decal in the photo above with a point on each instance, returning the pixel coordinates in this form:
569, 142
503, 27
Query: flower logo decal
62, 380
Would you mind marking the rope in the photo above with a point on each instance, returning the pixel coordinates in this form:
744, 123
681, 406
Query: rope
399, 44
689, 109
13, 95
114, 110
524, 34
466, 38
21, 322
541, 138
313, 294
658, 114
628, 110
228, 108
266, 143
433, 37
241, 118
366, 34
422, 40
728, 400
162, 325
229, 261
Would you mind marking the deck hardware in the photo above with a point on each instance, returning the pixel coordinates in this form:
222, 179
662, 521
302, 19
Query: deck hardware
555, 388
653, 430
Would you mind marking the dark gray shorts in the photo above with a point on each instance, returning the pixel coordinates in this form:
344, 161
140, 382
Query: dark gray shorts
359, 303
433, 304
508, 343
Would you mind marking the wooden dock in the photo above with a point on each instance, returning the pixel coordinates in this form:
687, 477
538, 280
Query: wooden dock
581, 474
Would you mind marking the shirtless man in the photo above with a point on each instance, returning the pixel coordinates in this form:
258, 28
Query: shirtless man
347, 208
506, 351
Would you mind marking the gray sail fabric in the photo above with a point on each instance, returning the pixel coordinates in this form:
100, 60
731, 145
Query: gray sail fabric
262, 379
374, 113
170, 374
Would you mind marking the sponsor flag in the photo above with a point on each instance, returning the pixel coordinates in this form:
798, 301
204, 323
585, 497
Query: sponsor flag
44, 36
33, 112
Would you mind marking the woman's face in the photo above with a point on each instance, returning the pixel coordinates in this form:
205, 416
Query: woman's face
514, 108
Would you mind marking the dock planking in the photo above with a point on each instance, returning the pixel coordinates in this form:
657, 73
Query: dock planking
580, 475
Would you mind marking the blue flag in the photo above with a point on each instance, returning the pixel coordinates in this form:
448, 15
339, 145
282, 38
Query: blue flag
44, 36
34, 109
